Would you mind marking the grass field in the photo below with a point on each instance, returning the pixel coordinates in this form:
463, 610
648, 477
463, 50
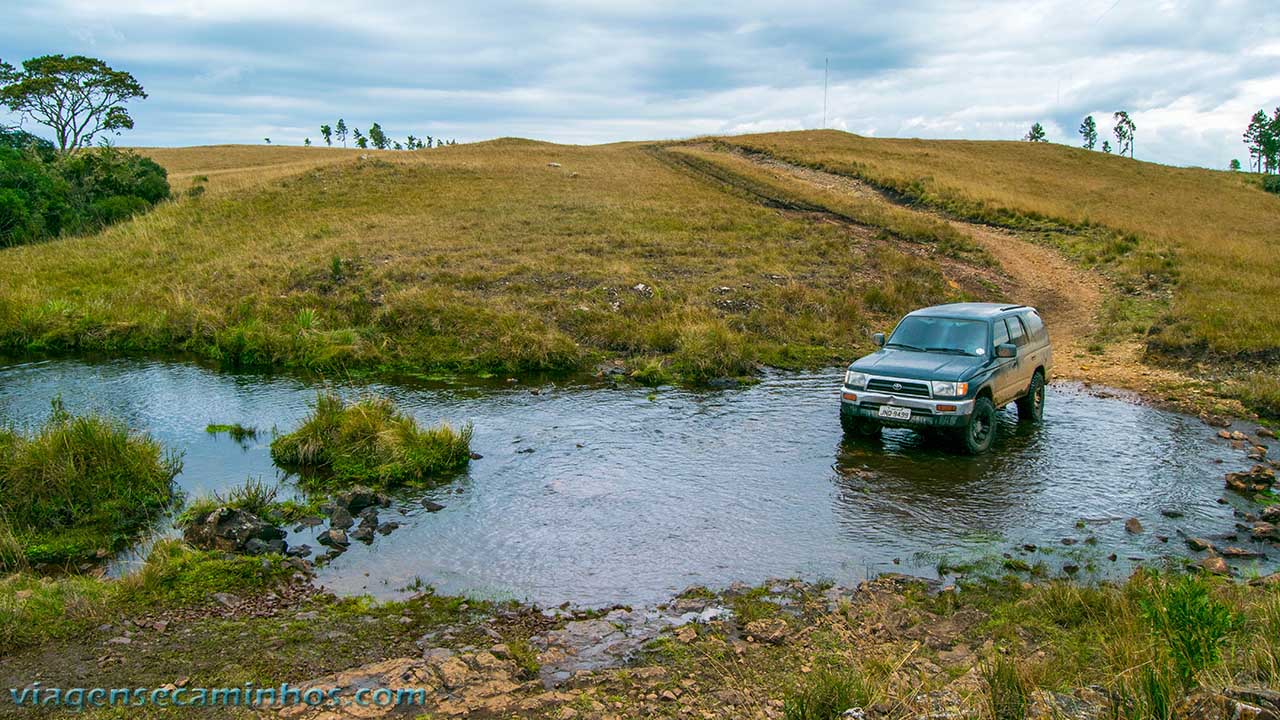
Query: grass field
1220, 227
683, 260
481, 258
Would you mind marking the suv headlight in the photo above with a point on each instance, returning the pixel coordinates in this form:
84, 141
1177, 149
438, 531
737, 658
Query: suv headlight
855, 380
950, 389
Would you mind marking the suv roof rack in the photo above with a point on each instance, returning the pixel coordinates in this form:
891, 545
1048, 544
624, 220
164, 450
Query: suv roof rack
1011, 307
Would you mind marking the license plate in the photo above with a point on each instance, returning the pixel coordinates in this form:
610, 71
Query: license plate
895, 413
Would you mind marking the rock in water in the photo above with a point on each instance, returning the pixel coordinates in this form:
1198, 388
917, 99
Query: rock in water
1256, 480
359, 497
432, 506
341, 518
1215, 565
1133, 526
232, 530
335, 538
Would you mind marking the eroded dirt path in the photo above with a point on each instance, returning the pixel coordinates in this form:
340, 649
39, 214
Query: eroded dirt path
1068, 296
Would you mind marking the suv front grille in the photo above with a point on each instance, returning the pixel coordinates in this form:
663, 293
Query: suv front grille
905, 388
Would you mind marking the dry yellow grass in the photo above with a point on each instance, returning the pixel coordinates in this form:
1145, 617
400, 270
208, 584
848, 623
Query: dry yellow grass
479, 257
1221, 226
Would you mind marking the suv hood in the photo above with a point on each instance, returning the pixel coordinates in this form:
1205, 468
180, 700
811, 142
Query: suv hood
916, 365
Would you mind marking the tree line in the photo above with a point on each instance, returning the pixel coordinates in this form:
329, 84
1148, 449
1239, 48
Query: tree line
1262, 137
377, 138
1124, 130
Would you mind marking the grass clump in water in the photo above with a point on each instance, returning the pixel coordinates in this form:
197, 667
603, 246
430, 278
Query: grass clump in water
76, 486
255, 497
369, 442
235, 431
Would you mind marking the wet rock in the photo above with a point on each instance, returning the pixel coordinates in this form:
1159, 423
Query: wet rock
341, 518
1215, 420
432, 506
1257, 454
1199, 544
1240, 553
335, 538
1172, 514
358, 498
1237, 435
299, 551
309, 522
231, 530
1215, 565
1224, 434
1271, 514
1133, 526
388, 527
1266, 433
364, 534
1272, 580
1263, 530
1255, 480
722, 383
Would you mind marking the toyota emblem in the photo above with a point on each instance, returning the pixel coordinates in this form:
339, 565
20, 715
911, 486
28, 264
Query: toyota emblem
897, 386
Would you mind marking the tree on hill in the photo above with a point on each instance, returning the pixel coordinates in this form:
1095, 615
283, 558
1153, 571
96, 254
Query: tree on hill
1124, 132
77, 97
362, 142
266, 140
377, 137
326, 132
398, 146
429, 141
1235, 165
1035, 134
412, 143
1106, 146
306, 142
1089, 132
340, 132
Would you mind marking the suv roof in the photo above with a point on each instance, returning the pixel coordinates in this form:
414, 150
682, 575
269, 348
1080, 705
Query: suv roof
969, 310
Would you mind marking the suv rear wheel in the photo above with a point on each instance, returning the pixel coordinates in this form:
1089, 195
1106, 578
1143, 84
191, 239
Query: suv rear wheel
1031, 405
979, 433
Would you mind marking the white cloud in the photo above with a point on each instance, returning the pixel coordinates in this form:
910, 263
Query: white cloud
1189, 72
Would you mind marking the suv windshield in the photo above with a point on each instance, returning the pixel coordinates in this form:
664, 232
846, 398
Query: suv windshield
937, 334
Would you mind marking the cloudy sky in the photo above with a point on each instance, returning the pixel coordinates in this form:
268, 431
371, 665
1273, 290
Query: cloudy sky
1190, 73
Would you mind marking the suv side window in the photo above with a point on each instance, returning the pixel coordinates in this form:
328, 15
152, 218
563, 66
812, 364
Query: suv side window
1035, 327
1017, 335
1000, 333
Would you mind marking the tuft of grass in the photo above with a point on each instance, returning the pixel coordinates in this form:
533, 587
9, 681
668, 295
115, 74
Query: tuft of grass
79, 485
1008, 691
235, 431
1192, 624
369, 442
525, 657
825, 695
254, 496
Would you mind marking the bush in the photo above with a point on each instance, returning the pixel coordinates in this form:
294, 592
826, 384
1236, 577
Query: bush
1193, 624
1271, 184
825, 695
369, 442
45, 195
78, 485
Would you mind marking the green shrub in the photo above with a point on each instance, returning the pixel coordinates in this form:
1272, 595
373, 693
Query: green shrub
1191, 622
45, 195
80, 484
825, 695
1271, 184
369, 442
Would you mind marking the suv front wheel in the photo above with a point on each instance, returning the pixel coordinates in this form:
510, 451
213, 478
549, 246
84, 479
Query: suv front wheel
980, 431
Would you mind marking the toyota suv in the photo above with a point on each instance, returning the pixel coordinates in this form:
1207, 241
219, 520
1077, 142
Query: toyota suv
949, 368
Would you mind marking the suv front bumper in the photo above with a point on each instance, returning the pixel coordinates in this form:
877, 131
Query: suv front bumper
925, 412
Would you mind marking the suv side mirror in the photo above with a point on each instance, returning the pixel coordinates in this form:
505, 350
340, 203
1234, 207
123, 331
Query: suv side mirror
1006, 350
878, 339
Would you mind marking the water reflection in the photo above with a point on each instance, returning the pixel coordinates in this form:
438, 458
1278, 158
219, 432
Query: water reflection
600, 495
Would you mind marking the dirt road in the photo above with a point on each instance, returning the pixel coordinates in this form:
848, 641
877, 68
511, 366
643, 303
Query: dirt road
1068, 296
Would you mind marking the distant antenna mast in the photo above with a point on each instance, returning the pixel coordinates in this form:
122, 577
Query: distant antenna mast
826, 71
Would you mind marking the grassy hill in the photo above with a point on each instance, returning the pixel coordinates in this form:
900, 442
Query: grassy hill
678, 258
502, 256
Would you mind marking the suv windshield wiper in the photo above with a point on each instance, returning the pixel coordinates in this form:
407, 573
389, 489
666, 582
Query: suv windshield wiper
946, 350
904, 345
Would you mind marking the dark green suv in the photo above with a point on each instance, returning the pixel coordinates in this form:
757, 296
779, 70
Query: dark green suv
950, 368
